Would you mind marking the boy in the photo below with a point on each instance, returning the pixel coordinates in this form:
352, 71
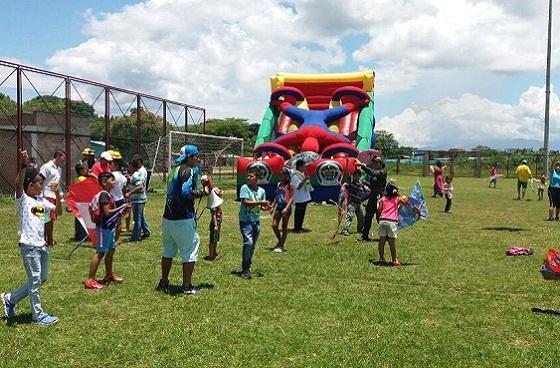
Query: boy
354, 203
32, 245
105, 234
253, 199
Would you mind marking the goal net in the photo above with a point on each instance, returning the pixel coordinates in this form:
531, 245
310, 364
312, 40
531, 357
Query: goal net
217, 155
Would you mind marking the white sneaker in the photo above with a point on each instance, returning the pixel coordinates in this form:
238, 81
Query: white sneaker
278, 250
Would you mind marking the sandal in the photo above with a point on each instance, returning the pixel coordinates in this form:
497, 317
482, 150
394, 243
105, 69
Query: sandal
396, 263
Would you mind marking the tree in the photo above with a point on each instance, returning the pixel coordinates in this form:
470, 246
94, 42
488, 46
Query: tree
387, 143
57, 105
8, 107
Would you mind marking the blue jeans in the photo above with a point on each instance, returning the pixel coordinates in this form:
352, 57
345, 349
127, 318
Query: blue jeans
36, 264
140, 224
250, 233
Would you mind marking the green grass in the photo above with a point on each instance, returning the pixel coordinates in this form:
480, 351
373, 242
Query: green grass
457, 302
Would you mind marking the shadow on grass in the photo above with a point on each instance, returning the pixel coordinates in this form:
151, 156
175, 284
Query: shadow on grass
504, 228
255, 274
302, 231
175, 290
388, 264
20, 319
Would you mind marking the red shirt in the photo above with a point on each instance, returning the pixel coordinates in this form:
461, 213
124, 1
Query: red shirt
97, 169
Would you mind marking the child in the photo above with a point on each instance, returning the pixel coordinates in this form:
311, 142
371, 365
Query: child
119, 188
138, 199
448, 192
542, 185
281, 209
105, 234
493, 175
81, 172
354, 203
32, 245
215, 228
253, 199
388, 208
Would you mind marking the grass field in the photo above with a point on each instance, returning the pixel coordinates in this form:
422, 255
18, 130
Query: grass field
457, 301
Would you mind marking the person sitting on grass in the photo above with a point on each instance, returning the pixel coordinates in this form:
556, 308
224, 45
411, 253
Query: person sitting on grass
215, 228
253, 199
388, 210
31, 208
356, 191
105, 234
281, 209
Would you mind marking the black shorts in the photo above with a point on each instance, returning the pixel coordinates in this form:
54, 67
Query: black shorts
554, 197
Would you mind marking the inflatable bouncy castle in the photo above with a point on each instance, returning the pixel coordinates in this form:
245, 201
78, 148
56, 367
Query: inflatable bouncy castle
324, 119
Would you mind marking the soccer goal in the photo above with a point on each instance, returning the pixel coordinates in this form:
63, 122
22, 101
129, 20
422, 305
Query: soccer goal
217, 155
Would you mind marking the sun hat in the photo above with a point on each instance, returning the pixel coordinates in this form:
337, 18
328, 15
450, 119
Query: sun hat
106, 156
187, 151
116, 155
524, 161
87, 151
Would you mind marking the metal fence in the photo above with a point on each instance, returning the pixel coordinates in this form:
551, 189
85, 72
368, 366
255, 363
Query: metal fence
470, 163
42, 111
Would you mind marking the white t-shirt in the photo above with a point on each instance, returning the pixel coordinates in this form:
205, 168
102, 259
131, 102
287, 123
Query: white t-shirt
120, 183
300, 195
31, 213
52, 173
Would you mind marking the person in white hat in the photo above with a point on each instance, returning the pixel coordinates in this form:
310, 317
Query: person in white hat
105, 164
179, 230
523, 174
215, 205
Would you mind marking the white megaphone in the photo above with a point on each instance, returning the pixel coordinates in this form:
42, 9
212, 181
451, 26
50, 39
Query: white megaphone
214, 200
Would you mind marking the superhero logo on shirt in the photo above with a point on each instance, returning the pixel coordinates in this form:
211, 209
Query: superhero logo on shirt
38, 210
264, 174
329, 173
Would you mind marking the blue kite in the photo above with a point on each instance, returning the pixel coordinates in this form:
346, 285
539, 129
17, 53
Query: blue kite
408, 213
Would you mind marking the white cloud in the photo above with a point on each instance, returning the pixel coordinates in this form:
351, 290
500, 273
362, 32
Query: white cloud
472, 120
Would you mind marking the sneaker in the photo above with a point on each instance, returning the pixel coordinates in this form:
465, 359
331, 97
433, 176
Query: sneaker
163, 285
191, 290
46, 321
246, 274
145, 236
345, 233
366, 239
113, 278
9, 308
93, 284
277, 250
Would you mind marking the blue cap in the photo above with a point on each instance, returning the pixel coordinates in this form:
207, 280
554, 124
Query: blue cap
186, 152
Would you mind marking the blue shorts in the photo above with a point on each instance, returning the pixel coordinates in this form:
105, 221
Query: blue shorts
104, 240
180, 236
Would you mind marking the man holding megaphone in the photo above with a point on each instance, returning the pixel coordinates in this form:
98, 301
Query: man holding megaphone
179, 230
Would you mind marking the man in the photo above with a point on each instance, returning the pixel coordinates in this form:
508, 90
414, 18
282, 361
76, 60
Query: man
105, 164
523, 174
179, 232
52, 172
377, 179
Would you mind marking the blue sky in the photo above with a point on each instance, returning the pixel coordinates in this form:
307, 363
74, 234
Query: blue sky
220, 54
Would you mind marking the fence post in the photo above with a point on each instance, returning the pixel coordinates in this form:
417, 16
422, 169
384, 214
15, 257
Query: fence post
478, 163
167, 149
398, 164
425, 164
204, 121
68, 138
107, 112
138, 122
19, 129
186, 119
507, 166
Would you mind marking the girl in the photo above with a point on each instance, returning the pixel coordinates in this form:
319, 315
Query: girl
448, 192
282, 209
542, 185
388, 208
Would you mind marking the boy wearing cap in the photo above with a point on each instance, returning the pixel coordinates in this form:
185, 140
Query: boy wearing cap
32, 246
103, 165
523, 174
179, 230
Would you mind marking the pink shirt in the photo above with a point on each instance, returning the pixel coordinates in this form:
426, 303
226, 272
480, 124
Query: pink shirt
390, 208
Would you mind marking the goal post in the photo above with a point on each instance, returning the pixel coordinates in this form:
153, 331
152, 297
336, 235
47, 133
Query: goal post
217, 155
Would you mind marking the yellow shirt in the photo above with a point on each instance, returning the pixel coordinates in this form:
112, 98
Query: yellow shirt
523, 173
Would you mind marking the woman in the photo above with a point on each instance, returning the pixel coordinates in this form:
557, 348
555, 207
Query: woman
438, 179
554, 191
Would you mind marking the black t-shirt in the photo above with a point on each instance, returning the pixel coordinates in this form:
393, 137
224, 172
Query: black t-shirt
179, 202
104, 199
377, 180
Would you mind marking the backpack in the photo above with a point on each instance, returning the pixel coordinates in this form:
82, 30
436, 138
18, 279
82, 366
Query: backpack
95, 209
